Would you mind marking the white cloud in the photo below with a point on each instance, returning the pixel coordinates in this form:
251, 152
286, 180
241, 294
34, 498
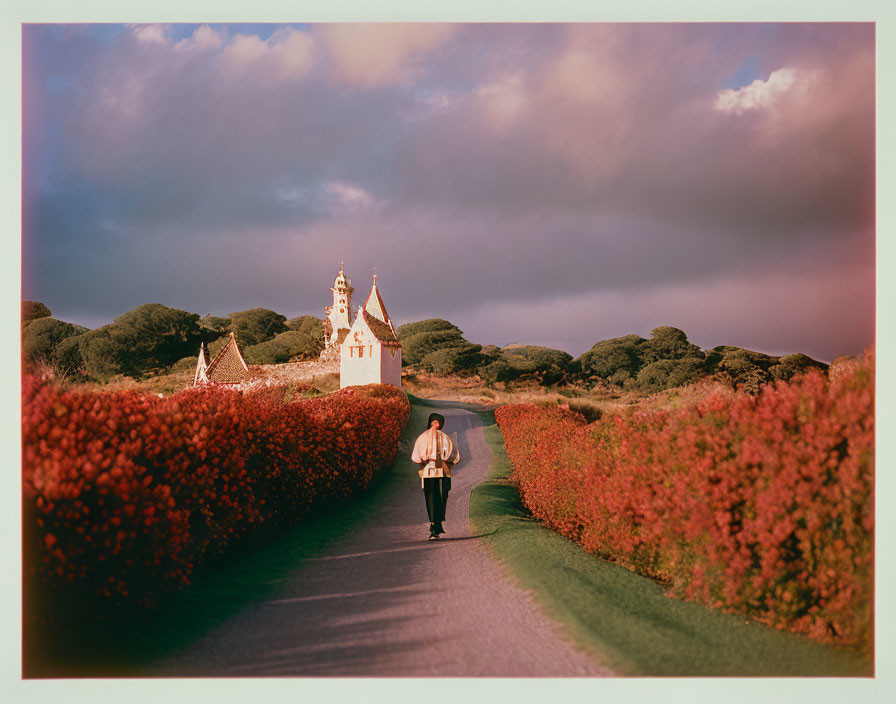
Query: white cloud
294, 53
150, 33
203, 38
762, 95
504, 100
347, 196
245, 50
370, 55
286, 54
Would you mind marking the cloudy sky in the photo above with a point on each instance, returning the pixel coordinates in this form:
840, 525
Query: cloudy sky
552, 184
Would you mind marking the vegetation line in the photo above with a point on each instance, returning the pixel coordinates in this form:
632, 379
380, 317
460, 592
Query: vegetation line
125, 647
624, 619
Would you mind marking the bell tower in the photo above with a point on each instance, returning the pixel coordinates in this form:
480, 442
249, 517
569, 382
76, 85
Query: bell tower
338, 315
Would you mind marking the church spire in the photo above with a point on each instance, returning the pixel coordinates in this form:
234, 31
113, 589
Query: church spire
375, 305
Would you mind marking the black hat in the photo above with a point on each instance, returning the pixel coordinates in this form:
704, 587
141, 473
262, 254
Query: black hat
438, 417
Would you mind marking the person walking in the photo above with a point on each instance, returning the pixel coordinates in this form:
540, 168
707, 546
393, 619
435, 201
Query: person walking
436, 453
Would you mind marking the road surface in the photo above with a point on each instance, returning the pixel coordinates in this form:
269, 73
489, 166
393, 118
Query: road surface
386, 602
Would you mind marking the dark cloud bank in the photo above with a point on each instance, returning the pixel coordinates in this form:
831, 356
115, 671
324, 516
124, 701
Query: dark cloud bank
551, 185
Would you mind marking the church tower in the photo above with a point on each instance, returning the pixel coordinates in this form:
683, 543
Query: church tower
338, 321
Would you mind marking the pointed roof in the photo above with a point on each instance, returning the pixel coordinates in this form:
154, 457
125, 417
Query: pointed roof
383, 332
375, 305
228, 367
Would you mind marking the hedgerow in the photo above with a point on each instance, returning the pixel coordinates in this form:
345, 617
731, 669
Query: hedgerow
759, 504
126, 494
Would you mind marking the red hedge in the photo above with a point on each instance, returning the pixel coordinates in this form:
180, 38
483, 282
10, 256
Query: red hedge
762, 505
126, 493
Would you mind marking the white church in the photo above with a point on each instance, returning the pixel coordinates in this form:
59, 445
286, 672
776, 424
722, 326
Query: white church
368, 349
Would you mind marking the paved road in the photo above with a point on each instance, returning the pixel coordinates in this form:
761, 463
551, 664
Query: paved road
386, 602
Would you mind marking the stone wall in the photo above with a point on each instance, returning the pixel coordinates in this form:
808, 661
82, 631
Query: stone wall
282, 374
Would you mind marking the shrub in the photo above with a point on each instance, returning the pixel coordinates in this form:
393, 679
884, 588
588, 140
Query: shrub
125, 494
759, 504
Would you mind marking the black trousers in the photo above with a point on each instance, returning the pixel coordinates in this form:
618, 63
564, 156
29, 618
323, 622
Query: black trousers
435, 491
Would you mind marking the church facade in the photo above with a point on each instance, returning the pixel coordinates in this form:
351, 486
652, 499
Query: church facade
370, 353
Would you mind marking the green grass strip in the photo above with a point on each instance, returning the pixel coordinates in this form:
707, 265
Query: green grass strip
624, 619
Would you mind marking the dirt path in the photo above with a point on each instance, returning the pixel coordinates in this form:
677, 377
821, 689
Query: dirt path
386, 602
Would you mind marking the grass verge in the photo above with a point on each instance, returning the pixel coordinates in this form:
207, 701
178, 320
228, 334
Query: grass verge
624, 619
126, 645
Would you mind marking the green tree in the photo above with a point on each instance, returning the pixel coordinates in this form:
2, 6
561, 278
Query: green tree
252, 327
416, 347
152, 337
543, 364
438, 346
667, 343
41, 338
743, 367
608, 357
622, 378
288, 346
309, 325
425, 326
669, 373
453, 360
101, 353
498, 371
215, 323
793, 364
67, 360
32, 310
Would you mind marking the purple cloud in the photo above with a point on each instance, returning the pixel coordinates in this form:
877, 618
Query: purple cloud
585, 181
